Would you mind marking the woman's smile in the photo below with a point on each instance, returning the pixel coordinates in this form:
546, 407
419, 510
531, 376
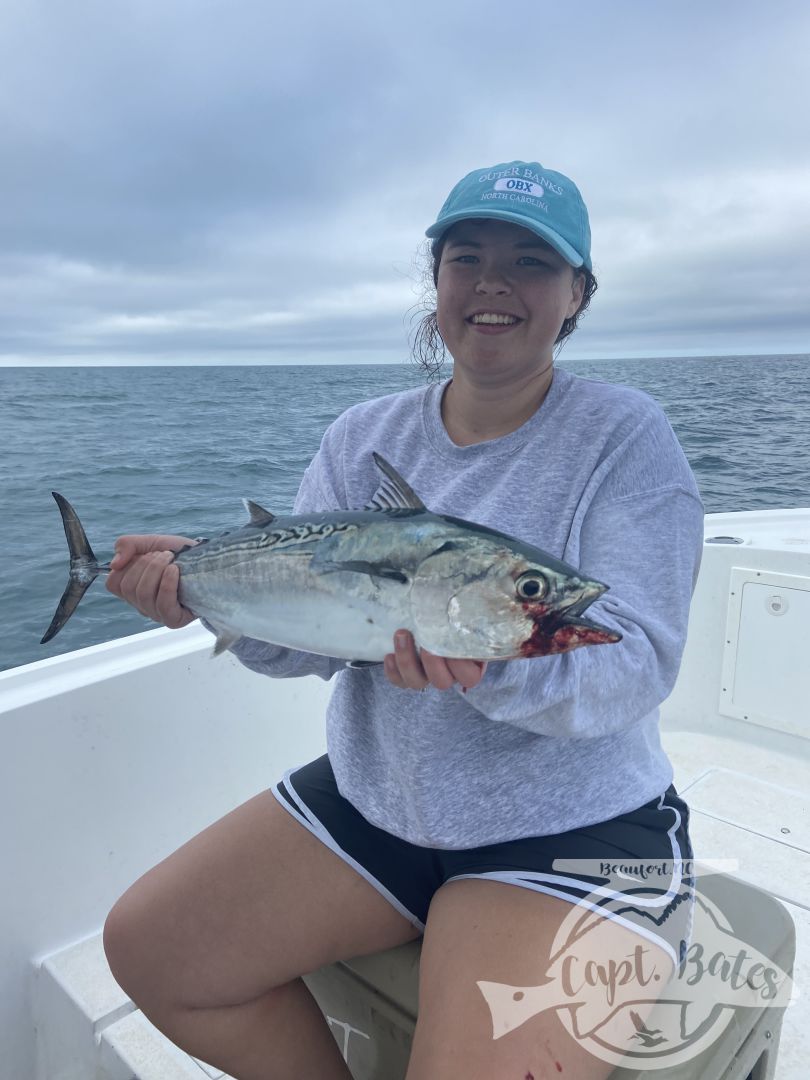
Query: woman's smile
493, 322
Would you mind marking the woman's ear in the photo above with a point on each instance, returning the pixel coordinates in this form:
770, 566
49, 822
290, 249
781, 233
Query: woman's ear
577, 292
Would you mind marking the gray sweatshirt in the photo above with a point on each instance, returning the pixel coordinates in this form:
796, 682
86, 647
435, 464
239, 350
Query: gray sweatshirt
595, 477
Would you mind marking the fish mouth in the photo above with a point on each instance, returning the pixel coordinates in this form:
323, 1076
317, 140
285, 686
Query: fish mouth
598, 634
580, 603
564, 628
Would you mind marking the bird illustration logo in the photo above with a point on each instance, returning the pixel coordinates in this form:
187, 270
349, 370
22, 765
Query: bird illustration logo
645, 1034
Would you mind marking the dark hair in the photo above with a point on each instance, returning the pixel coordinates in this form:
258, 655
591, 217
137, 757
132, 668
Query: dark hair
427, 347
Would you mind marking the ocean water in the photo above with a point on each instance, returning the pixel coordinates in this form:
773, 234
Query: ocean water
174, 449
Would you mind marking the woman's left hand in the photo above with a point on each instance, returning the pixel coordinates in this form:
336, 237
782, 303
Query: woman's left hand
412, 670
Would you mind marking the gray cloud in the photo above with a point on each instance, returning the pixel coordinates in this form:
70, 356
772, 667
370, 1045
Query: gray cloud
240, 181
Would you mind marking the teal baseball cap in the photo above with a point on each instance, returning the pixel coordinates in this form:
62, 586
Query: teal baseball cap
523, 192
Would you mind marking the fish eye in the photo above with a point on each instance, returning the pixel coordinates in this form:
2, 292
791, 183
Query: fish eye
531, 586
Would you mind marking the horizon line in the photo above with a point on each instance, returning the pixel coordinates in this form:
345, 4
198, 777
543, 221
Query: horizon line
380, 363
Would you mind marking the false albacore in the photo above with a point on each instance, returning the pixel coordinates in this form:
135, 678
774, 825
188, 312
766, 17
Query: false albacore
341, 583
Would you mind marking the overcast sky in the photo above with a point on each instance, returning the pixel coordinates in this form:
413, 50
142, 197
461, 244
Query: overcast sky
244, 180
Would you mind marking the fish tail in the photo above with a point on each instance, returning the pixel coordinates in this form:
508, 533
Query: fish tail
84, 567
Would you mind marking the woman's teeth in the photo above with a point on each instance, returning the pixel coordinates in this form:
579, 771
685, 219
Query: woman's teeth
491, 319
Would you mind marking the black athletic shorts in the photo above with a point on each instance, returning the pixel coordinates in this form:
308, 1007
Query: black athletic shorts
636, 868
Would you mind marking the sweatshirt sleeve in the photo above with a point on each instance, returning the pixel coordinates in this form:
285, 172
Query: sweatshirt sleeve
320, 491
646, 545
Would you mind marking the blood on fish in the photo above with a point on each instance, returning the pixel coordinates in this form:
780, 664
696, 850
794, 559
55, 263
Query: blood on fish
546, 639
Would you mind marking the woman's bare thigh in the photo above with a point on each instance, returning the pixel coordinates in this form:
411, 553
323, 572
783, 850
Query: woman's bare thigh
494, 938
253, 901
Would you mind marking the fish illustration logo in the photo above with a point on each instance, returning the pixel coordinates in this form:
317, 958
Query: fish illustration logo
627, 1007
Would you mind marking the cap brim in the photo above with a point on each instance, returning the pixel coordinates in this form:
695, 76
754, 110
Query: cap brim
572, 257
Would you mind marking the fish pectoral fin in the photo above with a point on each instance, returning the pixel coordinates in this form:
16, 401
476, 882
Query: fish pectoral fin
258, 514
394, 493
225, 638
363, 663
360, 566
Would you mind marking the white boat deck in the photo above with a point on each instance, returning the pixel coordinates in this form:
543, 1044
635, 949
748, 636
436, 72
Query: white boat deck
750, 805
116, 754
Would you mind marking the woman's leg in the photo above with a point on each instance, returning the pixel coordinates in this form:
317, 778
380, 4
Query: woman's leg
210, 943
499, 933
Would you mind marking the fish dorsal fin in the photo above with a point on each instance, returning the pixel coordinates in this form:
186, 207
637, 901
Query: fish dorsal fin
258, 514
394, 493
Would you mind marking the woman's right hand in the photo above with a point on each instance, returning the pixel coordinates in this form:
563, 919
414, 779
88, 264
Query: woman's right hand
144, 574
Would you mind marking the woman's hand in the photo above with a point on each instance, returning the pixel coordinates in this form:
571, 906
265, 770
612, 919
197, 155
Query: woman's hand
412, 670
144, 575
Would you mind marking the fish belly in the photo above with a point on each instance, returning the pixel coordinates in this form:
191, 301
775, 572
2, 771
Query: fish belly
351, 619
324, 627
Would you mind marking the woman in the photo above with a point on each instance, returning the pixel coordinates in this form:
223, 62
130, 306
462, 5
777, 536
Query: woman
431, 807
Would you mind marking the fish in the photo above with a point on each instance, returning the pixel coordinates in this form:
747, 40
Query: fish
340, 583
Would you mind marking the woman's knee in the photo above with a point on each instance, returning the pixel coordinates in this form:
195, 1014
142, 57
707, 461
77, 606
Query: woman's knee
127, 945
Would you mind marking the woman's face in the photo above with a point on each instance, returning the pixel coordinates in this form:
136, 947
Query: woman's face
503, 295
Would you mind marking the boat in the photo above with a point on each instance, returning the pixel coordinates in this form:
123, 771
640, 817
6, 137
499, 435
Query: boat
114, 755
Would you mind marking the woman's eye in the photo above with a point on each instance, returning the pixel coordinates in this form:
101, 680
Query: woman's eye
529, 260
466, 259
